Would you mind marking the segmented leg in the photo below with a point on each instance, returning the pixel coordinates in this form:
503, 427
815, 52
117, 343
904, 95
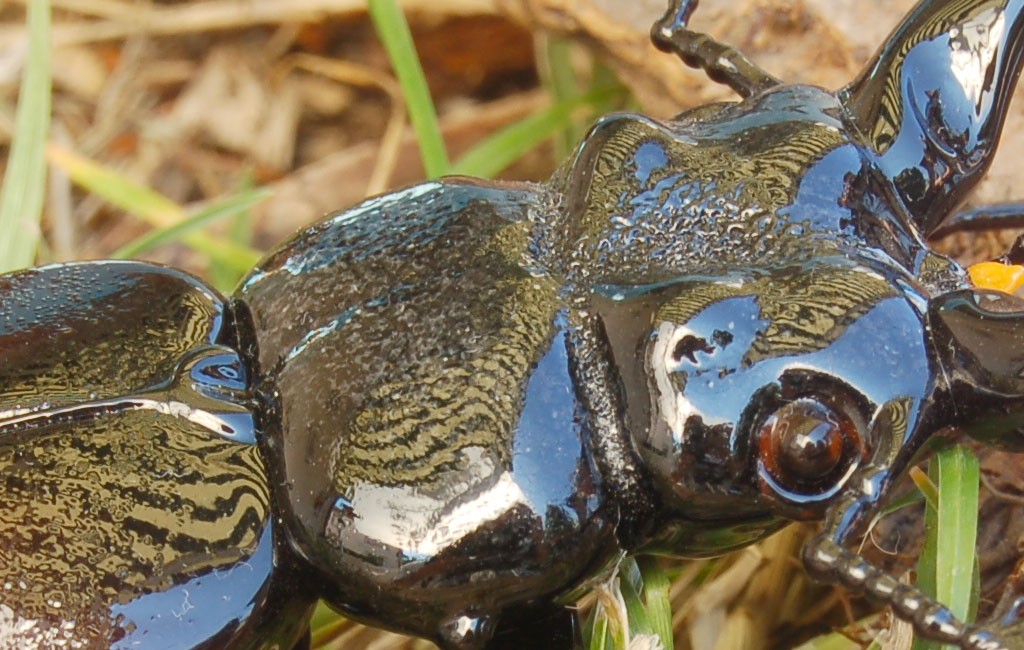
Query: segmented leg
828, 562
986, 217
721, 63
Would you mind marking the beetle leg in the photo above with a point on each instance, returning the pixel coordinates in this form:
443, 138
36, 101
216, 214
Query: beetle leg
827, 561
986, 217
720, 62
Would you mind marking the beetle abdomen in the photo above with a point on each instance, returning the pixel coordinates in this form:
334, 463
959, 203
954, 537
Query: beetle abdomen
140, 510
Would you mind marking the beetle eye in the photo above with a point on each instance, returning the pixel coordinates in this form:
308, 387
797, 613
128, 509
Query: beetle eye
806, 451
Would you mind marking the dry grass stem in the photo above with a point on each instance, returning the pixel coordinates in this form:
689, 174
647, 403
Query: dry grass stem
125, 19
357, 75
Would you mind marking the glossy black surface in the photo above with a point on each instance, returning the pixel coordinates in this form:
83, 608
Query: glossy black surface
135, 500
449, 409
723, 360
932, 102
429, 441
978, 333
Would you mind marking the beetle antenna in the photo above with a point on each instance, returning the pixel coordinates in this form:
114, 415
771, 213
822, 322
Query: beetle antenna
721, 63
827, 561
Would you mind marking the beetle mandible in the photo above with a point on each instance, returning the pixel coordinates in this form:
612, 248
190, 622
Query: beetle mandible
452, 407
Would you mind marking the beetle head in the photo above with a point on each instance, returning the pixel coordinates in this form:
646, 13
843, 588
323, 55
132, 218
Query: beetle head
803, 392
979, 339
772, 395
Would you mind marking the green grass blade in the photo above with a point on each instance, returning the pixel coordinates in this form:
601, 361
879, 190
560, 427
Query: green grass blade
393, 31
948, 565
220, 210
121, 192
631, 585
959, 478
507, 145
602, 630
239, 232
644, 589
597, 634
21, 198
926, 563
148, 205
559, 79
657, 600
324, 624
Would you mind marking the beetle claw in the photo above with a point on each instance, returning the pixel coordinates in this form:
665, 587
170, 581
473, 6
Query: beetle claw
674, 21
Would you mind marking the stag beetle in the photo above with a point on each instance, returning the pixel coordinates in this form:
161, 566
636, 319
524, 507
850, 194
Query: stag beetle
450, 409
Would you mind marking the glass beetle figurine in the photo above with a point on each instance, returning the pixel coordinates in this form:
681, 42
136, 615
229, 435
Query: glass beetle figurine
453, 407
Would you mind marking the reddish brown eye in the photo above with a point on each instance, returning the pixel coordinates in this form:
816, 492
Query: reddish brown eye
806, 450
808, 441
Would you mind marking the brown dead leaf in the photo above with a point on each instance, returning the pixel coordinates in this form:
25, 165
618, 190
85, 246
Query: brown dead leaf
232, 102
340, 179
80, 71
